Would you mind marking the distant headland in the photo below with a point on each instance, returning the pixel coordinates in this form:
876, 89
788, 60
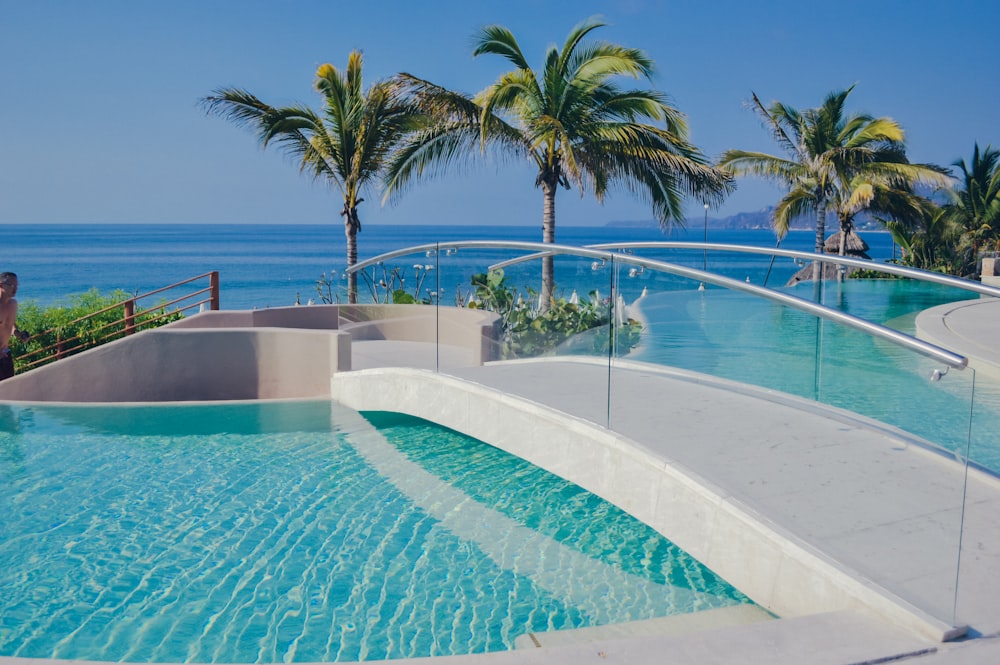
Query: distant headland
757, 219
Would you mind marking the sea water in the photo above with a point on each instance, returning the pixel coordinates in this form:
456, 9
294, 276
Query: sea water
274, 265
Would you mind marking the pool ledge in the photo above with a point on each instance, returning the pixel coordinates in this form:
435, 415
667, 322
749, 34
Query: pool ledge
969, 325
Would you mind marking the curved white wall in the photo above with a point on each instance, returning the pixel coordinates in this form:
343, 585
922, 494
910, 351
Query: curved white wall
287, 352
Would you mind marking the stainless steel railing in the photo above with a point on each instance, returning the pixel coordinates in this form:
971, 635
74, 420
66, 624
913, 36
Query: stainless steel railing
927, 349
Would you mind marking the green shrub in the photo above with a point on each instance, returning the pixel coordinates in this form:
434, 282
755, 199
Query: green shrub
51, 325
582, 328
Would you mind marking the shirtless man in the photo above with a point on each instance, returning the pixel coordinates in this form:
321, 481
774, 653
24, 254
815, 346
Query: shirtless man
8, 319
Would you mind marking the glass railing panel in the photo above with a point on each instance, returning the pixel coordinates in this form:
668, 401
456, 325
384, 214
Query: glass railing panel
394, 322
572, 323
688, 324
848, 481
899, 497
978, 583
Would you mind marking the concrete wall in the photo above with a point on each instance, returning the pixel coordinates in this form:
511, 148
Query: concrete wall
476, 330
313, 317
166, 365
285, 352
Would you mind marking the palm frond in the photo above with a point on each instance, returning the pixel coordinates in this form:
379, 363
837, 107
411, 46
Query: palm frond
498, 40
743, 162
573, 40
798, 203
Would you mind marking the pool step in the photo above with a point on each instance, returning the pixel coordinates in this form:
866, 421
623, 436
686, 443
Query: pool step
678, 624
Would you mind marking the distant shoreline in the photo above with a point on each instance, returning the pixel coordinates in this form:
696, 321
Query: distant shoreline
691, 226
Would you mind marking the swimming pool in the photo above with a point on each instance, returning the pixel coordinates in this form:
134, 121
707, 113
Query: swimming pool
300, 531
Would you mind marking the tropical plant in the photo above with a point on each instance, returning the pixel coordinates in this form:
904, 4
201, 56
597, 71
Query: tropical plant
565, 327
84, 321
834, 162
385, 284
347, 144
895, 201
572, 121
975, 205
929, 241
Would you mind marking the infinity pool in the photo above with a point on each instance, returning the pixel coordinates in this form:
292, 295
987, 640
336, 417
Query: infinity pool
298, 531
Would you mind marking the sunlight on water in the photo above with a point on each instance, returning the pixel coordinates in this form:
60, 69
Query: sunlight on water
259, 533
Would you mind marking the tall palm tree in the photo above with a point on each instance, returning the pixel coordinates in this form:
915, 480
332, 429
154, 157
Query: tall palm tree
572, 121
832, 160
975, 204
347, 144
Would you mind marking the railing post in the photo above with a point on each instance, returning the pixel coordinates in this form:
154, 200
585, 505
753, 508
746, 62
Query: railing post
130, 316
59, 346
215, 289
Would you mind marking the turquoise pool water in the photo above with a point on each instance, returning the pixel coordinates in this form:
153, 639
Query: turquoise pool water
300, 532
744, 338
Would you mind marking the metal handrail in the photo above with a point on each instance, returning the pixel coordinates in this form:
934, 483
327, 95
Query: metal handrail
867, 264
45, 354
927, 349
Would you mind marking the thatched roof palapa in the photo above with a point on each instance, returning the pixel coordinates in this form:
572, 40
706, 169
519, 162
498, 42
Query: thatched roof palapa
856, 246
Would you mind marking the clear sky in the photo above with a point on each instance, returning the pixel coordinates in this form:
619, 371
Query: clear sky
101, 123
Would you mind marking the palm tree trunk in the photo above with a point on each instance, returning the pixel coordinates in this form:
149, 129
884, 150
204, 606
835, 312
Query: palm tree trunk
352, 258
820, 239
845, 229
351, 227
548, 235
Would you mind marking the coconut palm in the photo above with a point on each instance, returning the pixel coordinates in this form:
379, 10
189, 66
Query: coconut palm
347, 144
929, 241
891, 200
834, 162
975, 204
573, 121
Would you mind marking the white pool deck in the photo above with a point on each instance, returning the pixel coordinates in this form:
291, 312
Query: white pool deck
854, 495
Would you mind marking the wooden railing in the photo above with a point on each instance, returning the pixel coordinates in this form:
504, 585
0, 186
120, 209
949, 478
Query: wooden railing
137, 314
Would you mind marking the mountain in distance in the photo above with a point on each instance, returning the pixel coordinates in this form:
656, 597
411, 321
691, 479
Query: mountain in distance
757, 219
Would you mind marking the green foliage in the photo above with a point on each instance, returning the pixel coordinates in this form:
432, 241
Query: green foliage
566, 327
384, 284
347, 144
874, 274
573, 119
834, 162
975, 208
401, 297
51, 327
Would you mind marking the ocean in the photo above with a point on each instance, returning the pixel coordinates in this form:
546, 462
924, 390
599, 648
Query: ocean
274, 265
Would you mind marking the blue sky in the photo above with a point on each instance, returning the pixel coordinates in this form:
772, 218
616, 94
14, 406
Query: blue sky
101, 121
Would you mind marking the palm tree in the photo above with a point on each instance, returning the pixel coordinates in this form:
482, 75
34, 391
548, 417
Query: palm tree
833, 160
889, 200
347, 144
929, 241
975, 205
572, 121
